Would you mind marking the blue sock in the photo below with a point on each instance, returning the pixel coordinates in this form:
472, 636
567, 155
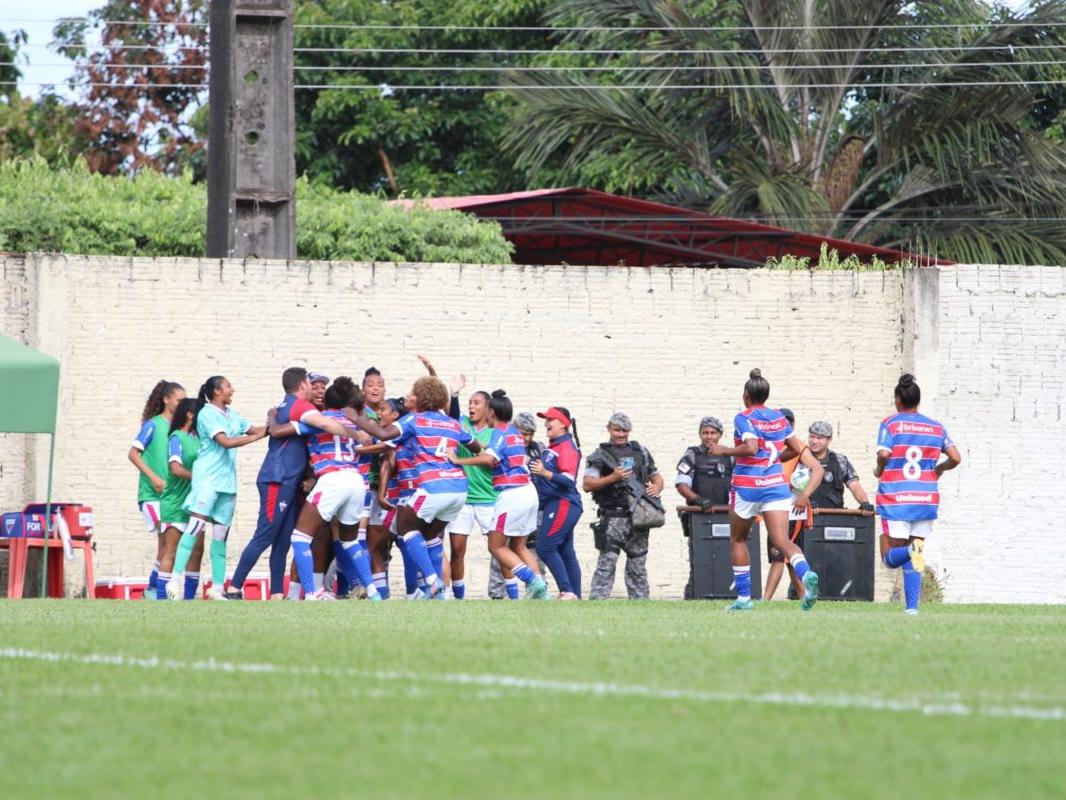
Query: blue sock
417, 552
897, 557
381, 580
192, 583
799, 563
742, 582
912, 585
458, 590
161, 581
305, 563
153, 577
410, 571
524, 573
511, 585
358, 564
435, 548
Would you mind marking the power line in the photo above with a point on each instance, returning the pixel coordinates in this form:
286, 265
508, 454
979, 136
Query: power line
989, 25
618, 68
387, 88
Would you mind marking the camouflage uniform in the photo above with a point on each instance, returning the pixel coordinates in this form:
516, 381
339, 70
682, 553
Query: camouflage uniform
620, 535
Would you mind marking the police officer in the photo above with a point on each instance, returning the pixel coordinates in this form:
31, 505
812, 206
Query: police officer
839, 472
618, 473
702, 480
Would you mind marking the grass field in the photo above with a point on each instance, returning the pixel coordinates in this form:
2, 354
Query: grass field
515, 700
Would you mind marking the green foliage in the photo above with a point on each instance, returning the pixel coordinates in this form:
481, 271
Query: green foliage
830, 260
73, 211
398, 141
792, 123
43, 127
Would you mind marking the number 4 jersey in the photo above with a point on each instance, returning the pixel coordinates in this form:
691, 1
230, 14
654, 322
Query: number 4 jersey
908, 488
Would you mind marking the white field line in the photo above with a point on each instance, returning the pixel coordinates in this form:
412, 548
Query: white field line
582, 688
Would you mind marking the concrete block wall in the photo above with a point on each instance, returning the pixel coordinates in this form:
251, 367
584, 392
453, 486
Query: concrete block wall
665, 345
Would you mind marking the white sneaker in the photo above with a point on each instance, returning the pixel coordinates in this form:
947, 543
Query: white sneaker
214, 593
176, 580
320, 596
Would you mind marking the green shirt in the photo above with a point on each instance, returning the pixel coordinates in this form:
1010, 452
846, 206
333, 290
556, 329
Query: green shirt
480, 491
154, 454
216, 466
183, 448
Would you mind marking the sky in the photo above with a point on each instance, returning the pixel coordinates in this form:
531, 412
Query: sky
38, 17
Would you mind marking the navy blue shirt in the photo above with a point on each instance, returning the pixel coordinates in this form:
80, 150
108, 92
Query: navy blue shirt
562, 458
286, 458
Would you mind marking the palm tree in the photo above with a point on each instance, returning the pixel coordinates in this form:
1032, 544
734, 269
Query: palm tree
894, 123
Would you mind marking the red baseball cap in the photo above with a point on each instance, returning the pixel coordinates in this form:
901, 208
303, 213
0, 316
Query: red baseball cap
555, 413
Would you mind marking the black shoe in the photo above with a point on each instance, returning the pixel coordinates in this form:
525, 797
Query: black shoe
234, 594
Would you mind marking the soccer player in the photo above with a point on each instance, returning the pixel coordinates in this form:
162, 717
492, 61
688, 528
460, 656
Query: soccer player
183, 447
760, 435
480, 496
909, 445
555, 477
441, 491
514, 516
278, 482
148, 454
398, 481
339, 490
213, 493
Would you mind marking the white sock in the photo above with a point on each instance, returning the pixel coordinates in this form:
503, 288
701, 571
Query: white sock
295, 589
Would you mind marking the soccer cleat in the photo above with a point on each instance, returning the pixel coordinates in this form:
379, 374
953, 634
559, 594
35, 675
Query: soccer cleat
536, 589
376, 598
176, 587
810, 590
917, 551
320, 596
214, 593
436, 591
234, 594
568, 596
741, 605
911, 612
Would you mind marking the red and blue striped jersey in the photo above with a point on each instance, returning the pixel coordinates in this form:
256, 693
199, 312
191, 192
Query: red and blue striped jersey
908, 486
758, 478
328, 453
404, 478
429, 435
508, 450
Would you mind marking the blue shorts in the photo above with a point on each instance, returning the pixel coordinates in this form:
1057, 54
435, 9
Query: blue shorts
212, 505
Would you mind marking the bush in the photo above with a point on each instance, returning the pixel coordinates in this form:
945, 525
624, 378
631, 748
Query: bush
831, 260
73, 211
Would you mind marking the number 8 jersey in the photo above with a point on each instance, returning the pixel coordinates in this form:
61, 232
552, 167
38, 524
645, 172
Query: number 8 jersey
908, 488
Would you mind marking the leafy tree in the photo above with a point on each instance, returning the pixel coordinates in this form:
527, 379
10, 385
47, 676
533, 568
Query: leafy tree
424, 141
806, 135
140, 89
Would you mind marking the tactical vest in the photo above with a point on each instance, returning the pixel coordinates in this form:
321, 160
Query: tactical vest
830, 492
711, 476
616, 496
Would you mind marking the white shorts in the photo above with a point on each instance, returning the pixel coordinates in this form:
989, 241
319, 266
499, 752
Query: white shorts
368, 502
515, 512
906, 528
389, 518
150, 512
748, 510
463, 525
377, 513
339, 494
442, 505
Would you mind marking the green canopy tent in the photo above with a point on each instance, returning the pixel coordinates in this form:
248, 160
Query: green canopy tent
29, 393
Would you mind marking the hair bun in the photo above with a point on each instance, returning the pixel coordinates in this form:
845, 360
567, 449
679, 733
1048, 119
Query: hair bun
371, 371
499, 393
906, 379
755, 373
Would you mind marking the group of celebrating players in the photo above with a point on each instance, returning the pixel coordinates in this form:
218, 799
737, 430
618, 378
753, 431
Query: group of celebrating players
350, 472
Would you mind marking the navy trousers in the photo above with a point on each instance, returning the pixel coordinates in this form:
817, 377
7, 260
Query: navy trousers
278, 508
555, 544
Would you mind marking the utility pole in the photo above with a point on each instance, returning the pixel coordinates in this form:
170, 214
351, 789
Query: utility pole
251, 171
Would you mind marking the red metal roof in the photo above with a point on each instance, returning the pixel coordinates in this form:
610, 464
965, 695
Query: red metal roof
584, 226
